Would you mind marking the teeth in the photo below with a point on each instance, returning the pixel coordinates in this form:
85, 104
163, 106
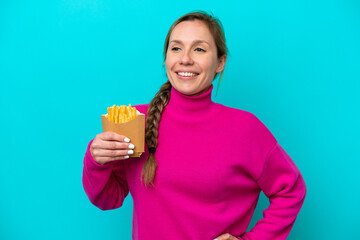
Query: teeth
187, 74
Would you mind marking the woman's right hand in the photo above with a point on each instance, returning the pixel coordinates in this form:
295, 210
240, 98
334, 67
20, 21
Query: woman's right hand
110, 146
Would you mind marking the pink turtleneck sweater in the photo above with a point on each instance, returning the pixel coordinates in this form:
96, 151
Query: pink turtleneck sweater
213, 161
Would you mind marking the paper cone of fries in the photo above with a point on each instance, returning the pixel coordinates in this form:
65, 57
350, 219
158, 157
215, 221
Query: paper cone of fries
133, 129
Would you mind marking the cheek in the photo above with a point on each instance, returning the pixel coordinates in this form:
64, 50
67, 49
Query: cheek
168, 67
168, 63
210, 67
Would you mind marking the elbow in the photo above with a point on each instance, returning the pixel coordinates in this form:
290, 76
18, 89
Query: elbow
108, 201
304, 189
105, 208
104, 205
297, 191
301, 189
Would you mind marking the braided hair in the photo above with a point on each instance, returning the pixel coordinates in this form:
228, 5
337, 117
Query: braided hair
155, 110
162, 97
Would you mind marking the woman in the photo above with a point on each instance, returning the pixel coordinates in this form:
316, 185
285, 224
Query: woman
205, 164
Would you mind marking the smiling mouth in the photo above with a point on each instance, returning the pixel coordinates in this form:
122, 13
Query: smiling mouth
187, 74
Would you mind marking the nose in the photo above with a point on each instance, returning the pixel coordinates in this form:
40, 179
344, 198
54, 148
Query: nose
186, 58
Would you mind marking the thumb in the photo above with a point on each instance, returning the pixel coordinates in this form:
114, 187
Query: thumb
226, 236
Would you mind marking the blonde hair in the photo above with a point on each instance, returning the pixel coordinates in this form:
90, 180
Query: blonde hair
162, 97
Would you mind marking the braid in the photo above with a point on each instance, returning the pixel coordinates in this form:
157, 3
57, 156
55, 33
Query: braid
155, 110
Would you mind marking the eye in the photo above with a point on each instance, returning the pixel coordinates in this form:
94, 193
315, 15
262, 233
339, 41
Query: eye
175, 49
199, 50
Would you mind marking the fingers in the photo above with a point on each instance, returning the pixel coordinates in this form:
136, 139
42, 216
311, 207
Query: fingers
109, 146
103, 156
103, 160
112, 154
111, 136
226, 236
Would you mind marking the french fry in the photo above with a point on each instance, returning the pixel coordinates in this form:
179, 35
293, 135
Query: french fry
121, 114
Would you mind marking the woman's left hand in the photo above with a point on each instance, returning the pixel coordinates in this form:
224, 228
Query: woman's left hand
226, 236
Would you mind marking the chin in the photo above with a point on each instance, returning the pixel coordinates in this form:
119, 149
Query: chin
188, 91
188, 88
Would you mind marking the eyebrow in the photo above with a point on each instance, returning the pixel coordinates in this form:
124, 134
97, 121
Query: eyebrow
194, 42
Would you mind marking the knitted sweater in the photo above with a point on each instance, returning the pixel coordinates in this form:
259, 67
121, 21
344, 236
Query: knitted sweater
213, 161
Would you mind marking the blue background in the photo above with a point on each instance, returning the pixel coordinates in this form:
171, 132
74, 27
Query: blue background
294, 64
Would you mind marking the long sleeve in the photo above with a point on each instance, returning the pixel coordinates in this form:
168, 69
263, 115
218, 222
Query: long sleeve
283, 184
104, 189
209, 190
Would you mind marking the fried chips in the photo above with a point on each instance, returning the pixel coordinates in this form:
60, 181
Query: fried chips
121, 114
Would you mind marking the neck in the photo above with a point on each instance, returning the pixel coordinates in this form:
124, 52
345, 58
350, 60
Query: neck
181, 104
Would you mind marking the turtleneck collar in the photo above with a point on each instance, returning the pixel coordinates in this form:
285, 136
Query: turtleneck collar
182, 104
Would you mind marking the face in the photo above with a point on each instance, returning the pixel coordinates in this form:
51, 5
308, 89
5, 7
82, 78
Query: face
191, 60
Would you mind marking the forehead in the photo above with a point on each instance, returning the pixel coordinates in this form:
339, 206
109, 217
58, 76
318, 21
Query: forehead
189, 31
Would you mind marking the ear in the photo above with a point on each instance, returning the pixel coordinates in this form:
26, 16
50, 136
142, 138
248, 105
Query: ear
221, 64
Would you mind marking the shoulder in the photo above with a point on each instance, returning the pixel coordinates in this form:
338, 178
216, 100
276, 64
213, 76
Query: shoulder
245, 117
250, 124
